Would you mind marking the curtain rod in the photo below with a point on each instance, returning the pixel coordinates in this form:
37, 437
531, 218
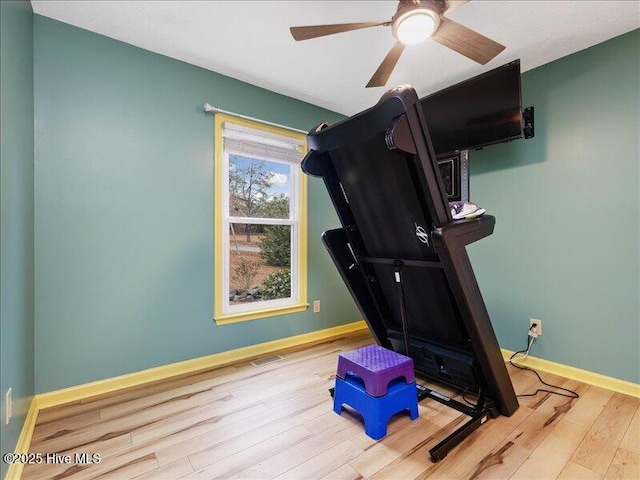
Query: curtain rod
208, 108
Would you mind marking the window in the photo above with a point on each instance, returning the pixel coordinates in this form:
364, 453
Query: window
260, 251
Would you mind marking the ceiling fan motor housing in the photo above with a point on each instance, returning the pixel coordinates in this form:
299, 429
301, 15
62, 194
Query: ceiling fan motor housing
408, 8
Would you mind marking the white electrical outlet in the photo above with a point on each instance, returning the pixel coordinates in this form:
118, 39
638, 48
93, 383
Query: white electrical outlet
316, 306
8, 404
538, 323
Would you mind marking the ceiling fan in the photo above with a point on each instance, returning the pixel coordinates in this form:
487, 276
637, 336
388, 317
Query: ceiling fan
414, 22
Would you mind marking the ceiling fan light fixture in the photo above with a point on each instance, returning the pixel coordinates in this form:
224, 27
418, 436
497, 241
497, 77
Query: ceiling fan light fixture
415, 26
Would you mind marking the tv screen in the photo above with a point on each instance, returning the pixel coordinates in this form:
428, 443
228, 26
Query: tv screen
481, 111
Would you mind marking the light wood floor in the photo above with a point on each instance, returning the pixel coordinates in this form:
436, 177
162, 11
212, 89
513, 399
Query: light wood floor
276, 421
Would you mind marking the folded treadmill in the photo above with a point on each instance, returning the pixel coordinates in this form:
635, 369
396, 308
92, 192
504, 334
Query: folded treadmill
403, 257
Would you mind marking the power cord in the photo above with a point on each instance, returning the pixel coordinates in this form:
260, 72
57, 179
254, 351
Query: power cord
532, 338
464, 392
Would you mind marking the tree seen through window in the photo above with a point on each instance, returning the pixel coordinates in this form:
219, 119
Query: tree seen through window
260, 254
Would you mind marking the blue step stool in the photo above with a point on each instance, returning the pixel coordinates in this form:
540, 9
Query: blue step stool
376, 411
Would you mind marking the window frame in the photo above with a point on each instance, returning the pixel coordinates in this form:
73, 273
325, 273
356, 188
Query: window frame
297, 220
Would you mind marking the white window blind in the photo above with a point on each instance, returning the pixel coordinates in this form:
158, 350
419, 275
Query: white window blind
250, 142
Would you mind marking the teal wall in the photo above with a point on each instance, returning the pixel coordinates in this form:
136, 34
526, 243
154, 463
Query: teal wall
124, 210
16, 215
567, 202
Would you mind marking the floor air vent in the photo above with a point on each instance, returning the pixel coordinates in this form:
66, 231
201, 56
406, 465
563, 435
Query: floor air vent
266, 361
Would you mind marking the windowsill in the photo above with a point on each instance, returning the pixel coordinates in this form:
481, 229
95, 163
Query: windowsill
255, 315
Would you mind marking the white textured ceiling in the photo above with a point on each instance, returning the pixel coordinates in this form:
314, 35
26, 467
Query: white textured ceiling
250, 40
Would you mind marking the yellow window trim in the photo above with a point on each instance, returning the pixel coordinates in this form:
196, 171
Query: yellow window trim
218, 316
257, 314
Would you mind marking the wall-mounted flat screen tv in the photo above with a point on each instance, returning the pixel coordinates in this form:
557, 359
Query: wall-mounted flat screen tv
481, 111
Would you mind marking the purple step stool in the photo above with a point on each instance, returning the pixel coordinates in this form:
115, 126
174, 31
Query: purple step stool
376, 366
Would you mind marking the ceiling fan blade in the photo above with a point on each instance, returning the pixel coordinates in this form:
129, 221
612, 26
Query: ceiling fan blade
466, 42
383, 72
314, 31
453, 4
